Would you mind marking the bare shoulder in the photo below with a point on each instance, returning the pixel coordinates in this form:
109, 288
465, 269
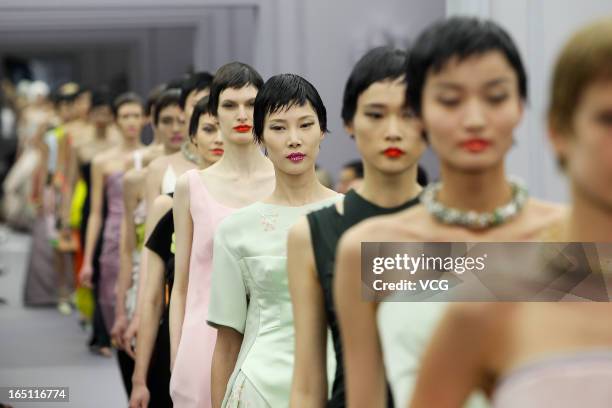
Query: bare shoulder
542, 215
134, 177
182, 185
102, 158
162, 204
159, 163
299, 234
478, 317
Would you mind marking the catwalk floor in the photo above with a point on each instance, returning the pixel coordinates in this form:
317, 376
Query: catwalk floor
41, 347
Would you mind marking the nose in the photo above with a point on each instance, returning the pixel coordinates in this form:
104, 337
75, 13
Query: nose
242, 114
295, 139
393, 130
474, 116
218, 139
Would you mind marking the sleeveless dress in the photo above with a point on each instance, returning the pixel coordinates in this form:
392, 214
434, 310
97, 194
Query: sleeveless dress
250, 293
158, 378
326, 228
109, 258
190, 382
405, 329
581, 379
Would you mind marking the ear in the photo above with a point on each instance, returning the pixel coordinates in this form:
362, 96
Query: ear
350, 130
322, 137
559, 141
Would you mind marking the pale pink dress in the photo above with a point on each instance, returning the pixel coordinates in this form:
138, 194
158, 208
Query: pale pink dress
190, 381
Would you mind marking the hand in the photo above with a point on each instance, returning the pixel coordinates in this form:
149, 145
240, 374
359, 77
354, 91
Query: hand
140, 396
118, 330
86, 274
129, 337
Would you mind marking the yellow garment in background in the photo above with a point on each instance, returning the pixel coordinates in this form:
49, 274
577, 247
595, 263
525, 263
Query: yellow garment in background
76, 206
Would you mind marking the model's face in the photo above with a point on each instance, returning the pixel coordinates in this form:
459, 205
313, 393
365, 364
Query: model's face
171, 127
192, 99
346, 179
292, 138
65, 111
208, 139
130, 120
83, 105
101, 116
588, 151
470, 109
387, 134
235, 114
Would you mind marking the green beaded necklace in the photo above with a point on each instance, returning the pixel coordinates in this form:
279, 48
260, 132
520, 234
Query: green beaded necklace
473, 219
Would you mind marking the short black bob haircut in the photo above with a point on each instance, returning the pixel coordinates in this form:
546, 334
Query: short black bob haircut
202, 107
124, 99
232, 75
460, 37
169, 97
195, 82
378, 64
100, 97
282, 92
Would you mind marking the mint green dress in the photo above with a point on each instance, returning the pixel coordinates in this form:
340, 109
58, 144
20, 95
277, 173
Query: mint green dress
250, 293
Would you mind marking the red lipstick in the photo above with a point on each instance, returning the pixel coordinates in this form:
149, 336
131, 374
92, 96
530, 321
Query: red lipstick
296, 157
242, 128
217, 152
475, 145
394, 152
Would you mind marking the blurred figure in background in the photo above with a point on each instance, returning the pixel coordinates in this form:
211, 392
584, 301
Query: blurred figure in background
532, 355
351, 176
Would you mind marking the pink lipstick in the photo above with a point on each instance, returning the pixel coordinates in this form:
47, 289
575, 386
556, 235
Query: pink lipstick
296, 157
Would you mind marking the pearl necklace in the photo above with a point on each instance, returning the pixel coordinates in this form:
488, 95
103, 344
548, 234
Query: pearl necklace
473, 219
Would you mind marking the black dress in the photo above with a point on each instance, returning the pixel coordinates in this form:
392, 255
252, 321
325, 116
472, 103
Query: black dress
158, 378
326, 228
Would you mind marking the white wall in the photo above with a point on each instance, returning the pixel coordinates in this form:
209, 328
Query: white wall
319, 39
540, 28
334, 35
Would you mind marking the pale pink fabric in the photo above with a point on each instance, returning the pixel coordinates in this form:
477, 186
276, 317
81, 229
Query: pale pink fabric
190, 381
582, 380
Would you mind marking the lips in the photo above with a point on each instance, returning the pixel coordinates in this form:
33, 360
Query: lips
242, 128
177, 139
296, 157
393, 152
475, 145
217, 152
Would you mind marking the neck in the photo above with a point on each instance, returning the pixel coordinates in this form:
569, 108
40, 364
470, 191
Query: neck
589, 220
243, 160
130, 144
480, 192
386, 190
168, 150
100, 133
297, 190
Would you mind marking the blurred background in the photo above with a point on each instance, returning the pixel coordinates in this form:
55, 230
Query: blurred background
136, 44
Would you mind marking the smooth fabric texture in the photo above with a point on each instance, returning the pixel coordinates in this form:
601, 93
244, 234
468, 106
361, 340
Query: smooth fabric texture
326, 228
405, 329
168, 180
190, 382
579, 380
250, 294
110, 257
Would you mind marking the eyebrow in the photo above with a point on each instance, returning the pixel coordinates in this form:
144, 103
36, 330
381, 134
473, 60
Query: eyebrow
488, 84
376, 105
285, 120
